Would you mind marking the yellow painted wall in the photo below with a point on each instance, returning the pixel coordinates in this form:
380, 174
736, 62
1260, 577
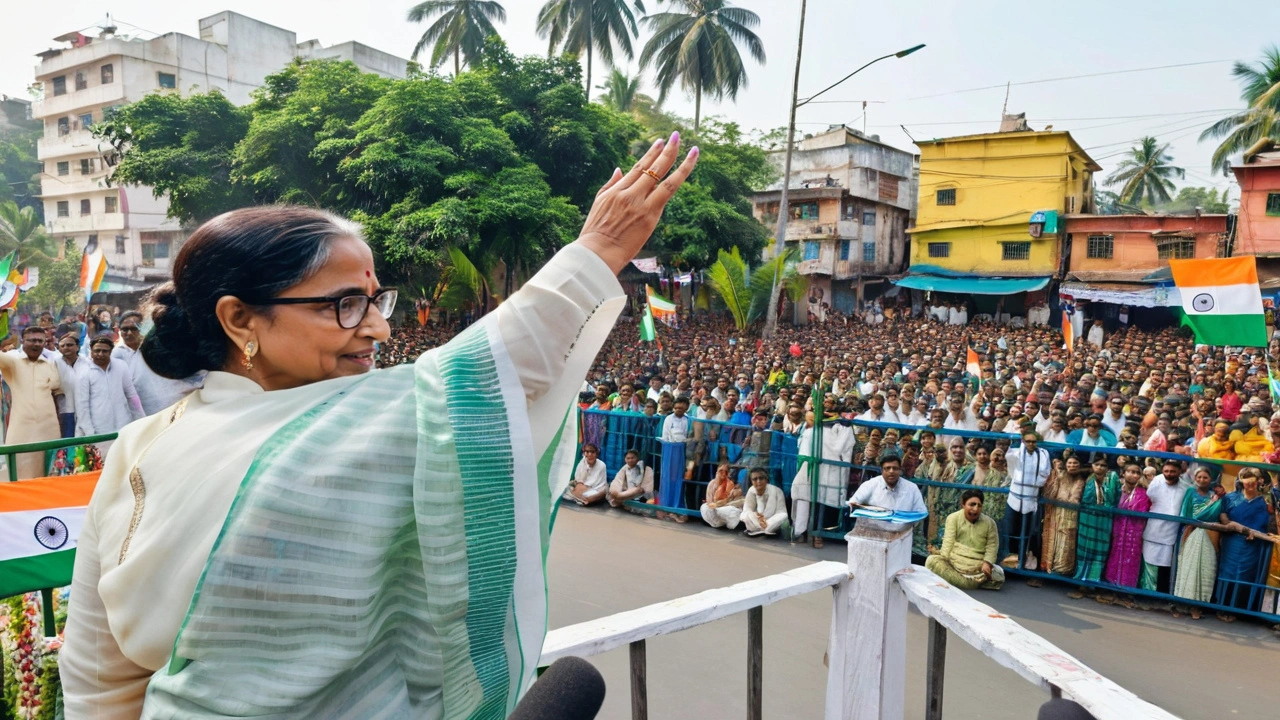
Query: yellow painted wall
1000, 179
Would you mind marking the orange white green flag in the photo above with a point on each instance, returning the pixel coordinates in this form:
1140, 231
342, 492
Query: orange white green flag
40, 521
663, 309
1221, 300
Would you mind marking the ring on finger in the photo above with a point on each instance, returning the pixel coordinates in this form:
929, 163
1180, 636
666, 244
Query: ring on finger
652, 174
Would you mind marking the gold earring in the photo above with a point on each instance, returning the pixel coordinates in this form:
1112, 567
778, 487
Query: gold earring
250, 349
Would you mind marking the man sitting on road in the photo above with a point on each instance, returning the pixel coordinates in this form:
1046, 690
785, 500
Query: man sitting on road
634, 481
970, 543
590, 481
765, 509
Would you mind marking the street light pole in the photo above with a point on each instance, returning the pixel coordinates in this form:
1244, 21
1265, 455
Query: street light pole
771, 322
780, 239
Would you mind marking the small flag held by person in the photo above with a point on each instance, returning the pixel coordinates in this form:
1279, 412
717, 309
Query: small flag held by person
972, 365
1068, 333
40, 521
662, 309
93, 267
648, 333
1222, 301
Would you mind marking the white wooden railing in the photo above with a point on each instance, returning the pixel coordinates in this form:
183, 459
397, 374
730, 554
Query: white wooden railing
867, 647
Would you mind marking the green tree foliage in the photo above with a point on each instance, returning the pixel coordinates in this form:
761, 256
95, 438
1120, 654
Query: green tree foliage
460, 31
697, 47
18, 170
728, 277
590, 27
712, 212
1207, 199
1145, 173
1260, 90
182, 147
21, 229
780, 268
59, 284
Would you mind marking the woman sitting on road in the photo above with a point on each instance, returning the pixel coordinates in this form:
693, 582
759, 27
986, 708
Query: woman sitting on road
723, 507
970, 544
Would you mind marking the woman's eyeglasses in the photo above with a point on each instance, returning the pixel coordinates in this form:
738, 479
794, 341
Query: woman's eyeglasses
348, 309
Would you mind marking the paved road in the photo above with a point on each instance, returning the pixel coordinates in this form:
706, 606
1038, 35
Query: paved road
606, 561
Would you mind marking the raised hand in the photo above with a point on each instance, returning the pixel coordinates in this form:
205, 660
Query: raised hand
628, 207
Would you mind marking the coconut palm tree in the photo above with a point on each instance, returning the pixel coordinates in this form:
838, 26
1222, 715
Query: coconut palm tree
698, 48
586, 27
728, 277
21, 230
460, 30
621, 91
1146, 171
1260, 90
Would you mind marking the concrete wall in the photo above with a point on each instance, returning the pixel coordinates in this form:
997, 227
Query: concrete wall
1133, 246
1257, 232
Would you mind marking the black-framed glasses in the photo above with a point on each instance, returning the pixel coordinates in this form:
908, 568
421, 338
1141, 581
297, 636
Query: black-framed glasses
348, 309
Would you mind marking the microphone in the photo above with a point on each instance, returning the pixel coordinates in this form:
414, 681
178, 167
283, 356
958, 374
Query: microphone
570, 689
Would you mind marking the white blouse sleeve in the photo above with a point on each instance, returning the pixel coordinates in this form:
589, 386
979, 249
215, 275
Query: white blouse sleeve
552, 329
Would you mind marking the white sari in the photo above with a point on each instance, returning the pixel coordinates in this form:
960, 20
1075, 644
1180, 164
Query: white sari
364, 547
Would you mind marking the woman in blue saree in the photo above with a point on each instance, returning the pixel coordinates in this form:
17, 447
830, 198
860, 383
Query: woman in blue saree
1244, 546
304, 538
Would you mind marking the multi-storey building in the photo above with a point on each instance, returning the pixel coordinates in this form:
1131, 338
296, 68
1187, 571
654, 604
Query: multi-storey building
1258, 228
87, 77
987, 228
851, 201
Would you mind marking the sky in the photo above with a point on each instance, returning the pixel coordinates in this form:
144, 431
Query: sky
973, 44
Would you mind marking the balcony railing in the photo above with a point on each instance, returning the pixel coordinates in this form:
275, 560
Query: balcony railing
73, 100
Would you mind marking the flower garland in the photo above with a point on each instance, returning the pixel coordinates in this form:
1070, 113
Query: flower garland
32, 688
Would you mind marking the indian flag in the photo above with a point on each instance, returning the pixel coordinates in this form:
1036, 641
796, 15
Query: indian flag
93, 267
648, 333
971, 364
40, 522
662, 308
1221, 300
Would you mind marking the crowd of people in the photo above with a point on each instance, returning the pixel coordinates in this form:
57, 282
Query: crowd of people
714, 423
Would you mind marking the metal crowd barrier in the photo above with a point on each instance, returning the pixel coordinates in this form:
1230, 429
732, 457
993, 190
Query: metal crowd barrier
617, 432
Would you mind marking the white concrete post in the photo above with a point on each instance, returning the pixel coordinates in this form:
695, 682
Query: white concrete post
868, 662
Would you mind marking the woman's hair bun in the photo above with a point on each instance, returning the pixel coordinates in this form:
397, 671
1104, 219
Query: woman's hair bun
171, 349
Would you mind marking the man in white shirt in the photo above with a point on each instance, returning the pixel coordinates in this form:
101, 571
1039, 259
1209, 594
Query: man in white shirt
1095, 334
959, 416
1159, 536
155, 392
920, 414
69, 364
1114, 418
889, 490
634, 481
1040, 415
676, 426
765, 509
1029, 468
877, 412
105, 397
590, 479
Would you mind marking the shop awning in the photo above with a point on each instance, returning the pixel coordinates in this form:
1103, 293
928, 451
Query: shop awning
972, 285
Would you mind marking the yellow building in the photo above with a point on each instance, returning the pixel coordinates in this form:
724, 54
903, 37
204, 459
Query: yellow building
978, 194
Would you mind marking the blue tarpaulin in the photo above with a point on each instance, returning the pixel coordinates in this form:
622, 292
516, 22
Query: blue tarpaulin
972, 285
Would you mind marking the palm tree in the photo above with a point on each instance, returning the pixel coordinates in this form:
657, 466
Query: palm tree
728, 277
461, 29
1146, 172
782, 268
621, 91
698, 48
1260, 90
22, 231
581, 26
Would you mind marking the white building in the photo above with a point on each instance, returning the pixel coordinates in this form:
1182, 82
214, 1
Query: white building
90, 76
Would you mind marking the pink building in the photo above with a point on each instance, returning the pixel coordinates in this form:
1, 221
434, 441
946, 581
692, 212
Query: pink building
1258, 228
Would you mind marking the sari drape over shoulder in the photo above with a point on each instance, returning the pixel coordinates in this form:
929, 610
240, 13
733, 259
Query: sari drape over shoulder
367, 547
1198, 559
1124, 563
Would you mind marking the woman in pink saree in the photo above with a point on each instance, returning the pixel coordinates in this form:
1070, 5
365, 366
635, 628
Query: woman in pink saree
1124, 564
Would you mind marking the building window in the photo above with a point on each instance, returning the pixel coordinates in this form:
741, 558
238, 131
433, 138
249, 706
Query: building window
86, 166
119, 244
85, 207
804, 211
868, 252
1176, 249
153, 251
1273, 204
108, 74
850, 211
60, 85
82, 80
811, 249
947, 196
110, 204
1015, 251
868, 217
64, 168
64, 126
64, 208
86, 120
1101, 246
844, 249
167, 80
939, 249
